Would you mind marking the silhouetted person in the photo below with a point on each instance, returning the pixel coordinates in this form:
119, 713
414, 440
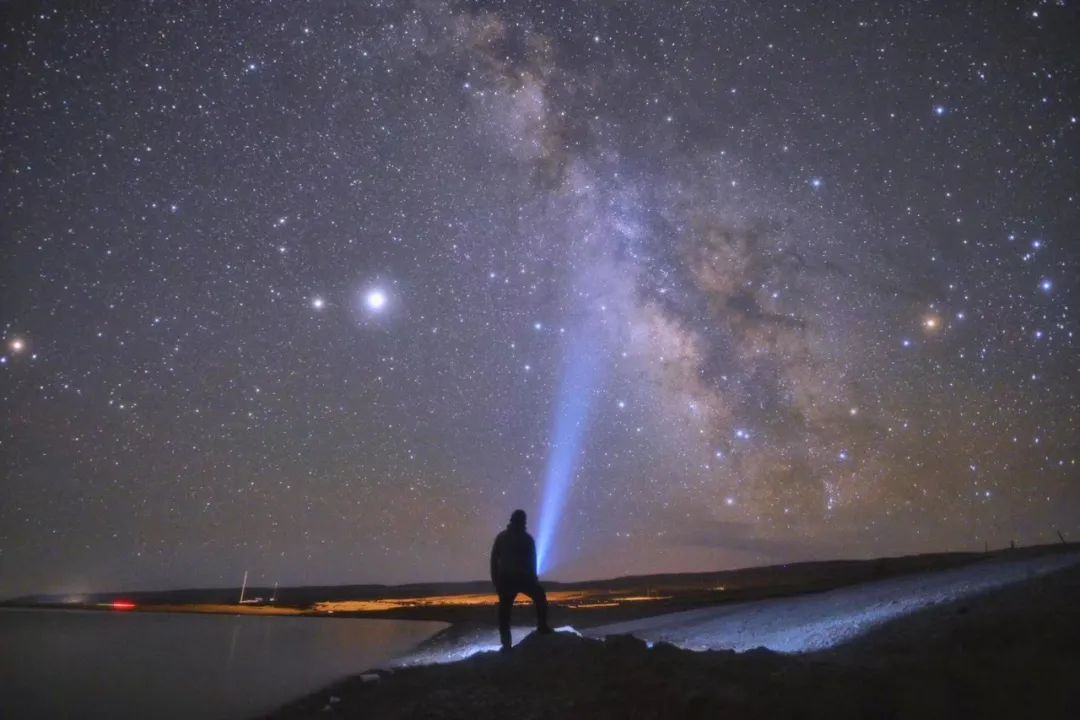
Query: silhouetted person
513, 570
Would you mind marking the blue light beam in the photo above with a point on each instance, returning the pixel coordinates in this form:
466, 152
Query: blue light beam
568, 432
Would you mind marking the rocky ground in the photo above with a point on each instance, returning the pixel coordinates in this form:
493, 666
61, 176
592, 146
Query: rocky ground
1011, 652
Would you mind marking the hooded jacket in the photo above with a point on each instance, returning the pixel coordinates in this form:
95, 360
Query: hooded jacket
513, 556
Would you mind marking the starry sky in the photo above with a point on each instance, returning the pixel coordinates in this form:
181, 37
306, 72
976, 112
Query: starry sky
310, 288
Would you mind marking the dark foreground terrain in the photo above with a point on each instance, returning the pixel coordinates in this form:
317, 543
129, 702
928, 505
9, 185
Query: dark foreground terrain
1010, 653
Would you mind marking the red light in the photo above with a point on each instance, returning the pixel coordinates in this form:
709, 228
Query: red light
123, 605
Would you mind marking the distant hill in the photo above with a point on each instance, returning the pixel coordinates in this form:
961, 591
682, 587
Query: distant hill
758, 581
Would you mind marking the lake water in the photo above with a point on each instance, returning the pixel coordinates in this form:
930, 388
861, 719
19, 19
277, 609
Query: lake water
86, 664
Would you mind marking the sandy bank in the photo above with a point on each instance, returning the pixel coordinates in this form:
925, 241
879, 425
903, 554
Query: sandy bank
1008, 652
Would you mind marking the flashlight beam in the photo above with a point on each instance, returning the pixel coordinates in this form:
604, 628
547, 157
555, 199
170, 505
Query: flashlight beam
568, 432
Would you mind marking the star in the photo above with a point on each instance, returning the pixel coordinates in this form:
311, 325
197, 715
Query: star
375, 300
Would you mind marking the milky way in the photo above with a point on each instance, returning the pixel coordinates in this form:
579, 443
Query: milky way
292, 288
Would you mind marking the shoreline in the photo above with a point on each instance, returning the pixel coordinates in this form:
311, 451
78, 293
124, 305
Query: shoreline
1007, 651
591, 665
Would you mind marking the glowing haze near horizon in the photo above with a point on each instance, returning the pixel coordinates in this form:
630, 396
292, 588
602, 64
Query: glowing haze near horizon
299, 288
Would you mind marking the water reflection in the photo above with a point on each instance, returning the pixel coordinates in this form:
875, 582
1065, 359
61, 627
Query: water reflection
56, 664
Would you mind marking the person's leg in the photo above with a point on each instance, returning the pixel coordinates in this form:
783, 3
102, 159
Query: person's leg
506, 602
539, 598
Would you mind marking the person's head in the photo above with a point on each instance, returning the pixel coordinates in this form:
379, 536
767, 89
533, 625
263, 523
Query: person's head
517, 519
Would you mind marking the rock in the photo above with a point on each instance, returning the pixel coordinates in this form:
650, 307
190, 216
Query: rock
625, 643
696, 704
759, 652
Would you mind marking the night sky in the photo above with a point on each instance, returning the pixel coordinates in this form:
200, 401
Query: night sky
320, 290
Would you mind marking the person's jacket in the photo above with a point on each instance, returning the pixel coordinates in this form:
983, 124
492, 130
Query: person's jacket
513, 556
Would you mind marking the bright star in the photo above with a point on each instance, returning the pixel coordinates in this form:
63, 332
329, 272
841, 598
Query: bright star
375, 300
318, 303
17, 345
1046, 285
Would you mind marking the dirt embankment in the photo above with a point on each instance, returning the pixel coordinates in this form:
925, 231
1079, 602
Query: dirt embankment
1006, 654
